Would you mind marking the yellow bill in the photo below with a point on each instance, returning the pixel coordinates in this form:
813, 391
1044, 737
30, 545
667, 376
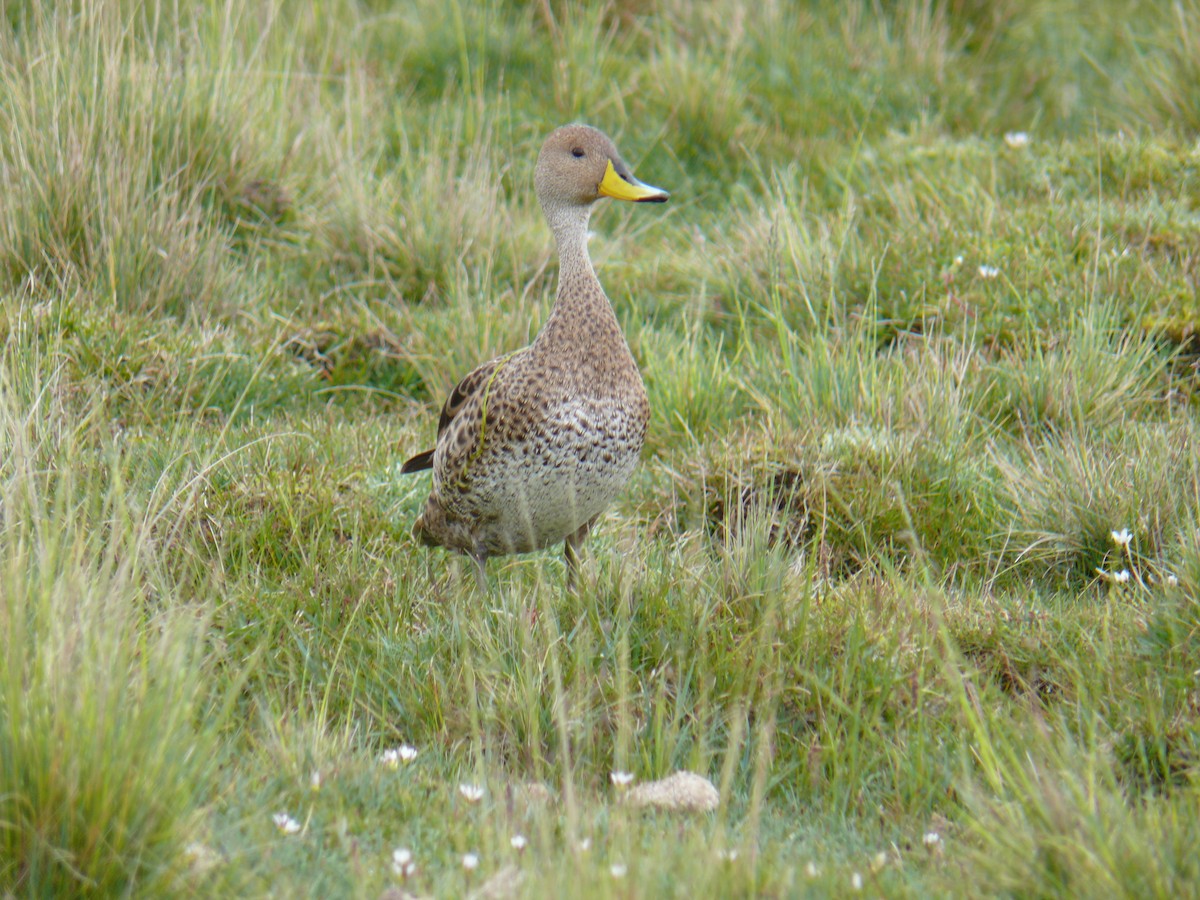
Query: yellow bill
613, 185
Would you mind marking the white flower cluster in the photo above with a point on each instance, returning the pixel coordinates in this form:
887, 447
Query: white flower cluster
402, 863
472, 793
285, 823
396, 755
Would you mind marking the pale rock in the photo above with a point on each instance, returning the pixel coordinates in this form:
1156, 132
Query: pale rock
395, 893
682, 792
505, 883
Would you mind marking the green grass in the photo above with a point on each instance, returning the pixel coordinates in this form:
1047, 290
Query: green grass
907, 380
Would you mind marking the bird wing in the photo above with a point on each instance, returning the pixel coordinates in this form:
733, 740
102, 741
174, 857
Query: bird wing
463, 391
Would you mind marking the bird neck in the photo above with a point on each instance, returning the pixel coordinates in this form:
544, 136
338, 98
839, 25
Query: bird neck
581, 313
570, 227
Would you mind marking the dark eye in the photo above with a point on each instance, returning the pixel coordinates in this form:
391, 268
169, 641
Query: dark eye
578, 153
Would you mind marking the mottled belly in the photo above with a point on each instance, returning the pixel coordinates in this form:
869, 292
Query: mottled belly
544, 487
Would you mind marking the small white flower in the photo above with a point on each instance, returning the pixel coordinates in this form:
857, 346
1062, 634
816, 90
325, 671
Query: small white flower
622, 779
585, 845
879, 862
856, 881
727, 855
1121, 538
958, 260
472, 793
1172, 580
518, 842
1121, 577
470, 861
618, 870
811, 870
988, 272
285, 823
396, 755
402, 863
201, 857
931, 840
1017, 139
314, 780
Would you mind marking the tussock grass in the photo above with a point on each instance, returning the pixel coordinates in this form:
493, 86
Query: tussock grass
105, 773
911, 381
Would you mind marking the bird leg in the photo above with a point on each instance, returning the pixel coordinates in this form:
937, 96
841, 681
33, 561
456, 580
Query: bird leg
480, 559
571, 548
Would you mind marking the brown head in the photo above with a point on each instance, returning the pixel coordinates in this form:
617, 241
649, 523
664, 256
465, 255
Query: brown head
578, 165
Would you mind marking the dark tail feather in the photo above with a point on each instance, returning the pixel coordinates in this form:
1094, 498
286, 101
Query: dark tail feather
418, 463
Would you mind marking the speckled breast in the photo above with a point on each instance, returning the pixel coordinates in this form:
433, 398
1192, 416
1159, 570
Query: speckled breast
562, 474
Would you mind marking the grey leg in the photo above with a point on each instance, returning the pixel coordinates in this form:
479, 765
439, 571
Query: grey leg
480, 558
571, 548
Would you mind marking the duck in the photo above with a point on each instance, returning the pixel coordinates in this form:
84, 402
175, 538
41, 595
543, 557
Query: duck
534, 445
